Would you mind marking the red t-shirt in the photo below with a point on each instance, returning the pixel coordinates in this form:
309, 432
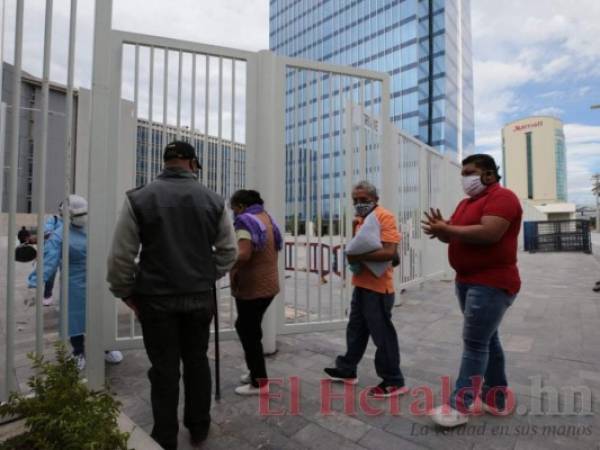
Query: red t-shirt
492, 265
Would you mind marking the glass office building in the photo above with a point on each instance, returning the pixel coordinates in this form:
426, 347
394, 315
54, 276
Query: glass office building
425, 46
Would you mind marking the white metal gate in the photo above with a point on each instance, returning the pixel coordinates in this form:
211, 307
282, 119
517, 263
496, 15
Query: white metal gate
176, 90
173, 89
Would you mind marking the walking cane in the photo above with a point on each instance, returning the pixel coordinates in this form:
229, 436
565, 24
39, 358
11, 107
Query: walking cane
217, 355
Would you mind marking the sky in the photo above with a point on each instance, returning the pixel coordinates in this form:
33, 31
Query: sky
533, 57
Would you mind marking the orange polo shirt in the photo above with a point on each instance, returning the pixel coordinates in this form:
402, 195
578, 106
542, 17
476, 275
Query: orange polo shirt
389, 233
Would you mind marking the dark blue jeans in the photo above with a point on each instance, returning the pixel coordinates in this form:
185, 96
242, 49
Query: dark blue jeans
371, 315
483, 359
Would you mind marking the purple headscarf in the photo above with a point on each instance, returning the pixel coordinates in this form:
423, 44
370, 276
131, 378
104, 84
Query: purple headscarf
258, 231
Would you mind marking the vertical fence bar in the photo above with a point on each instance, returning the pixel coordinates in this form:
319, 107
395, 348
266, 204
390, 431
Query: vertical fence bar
423, 193
206, 115
362, 143
10, 376
296, 185
349, 160
308, 172
219, 185
232, 148
165, 137
230, 168
193, 100
374, 148
331, 186
319, 170
136, 89
2, 24
64, 270
178, 134
41, 152
136, 94
150, 149
3, 110
219, 156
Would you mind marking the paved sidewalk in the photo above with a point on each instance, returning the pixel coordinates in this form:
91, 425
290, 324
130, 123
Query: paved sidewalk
552, 331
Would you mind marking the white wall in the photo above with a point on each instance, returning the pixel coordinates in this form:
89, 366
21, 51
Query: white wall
127, 142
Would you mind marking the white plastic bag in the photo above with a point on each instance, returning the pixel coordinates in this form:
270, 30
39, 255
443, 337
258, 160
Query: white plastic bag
367, 240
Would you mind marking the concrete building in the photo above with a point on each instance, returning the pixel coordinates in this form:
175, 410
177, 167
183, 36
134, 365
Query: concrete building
151, 154
29, 141
534, 164
137, 150
425, 46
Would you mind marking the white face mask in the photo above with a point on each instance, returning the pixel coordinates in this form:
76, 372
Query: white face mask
79, 221
472, 185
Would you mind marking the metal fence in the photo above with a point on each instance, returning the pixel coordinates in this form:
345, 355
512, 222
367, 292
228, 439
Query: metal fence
298, 131
558, 236
9, 375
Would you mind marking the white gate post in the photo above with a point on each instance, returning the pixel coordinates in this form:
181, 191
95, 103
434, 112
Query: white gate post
265, 161
447, 199
2, 148
423, 207
101, 185
389, 160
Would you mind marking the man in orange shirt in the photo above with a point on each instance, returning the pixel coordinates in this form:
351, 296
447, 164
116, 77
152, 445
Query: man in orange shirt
372, 303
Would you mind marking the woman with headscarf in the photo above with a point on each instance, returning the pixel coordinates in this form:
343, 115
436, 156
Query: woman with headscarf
254, 280
77, 210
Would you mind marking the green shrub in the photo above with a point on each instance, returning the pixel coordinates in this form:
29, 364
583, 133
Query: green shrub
63, 414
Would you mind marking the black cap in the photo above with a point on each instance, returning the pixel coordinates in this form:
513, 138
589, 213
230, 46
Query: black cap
179, 150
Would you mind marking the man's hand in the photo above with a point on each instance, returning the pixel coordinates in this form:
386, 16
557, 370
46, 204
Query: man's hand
131, 303
354, 258
435, 226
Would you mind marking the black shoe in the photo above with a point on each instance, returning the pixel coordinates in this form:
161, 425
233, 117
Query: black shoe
385, 390
596, 289
341, 375
199, 435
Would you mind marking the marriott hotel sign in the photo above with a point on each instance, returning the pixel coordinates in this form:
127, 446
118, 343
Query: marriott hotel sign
528, 126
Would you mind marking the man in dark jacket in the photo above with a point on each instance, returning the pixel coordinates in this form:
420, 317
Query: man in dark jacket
187, 242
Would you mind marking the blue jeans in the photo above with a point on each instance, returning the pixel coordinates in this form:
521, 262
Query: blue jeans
371, 315
483, 308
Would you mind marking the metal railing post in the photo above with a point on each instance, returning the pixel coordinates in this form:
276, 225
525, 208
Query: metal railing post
101, 200
448, 198
10, 383
41, 151
265, 125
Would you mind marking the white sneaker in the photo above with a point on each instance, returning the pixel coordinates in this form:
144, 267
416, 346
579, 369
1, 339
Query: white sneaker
80, 361
492, 409
113, 357
496, 411
448, 417
246, 379
48, 301
247, 389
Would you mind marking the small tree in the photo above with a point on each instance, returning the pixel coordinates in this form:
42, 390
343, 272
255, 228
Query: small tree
62, 413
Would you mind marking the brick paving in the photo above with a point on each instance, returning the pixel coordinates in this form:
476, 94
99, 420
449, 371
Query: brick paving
551, 333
